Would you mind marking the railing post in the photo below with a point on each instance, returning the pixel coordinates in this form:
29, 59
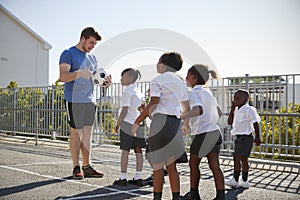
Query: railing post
36, 126
52, 112
247, 82
15, 111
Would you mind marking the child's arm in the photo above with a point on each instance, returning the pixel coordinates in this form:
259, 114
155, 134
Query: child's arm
219, 111
231, 114
257, 141
185, 108
196, 111
150, 107
122, 115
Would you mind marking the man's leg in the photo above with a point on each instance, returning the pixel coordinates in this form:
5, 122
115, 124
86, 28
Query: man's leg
86, 145
74, 145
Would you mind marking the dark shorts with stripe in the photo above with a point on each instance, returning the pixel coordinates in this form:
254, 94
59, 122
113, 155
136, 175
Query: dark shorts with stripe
243, 145
80, 114
127, 140
205, 143
165, 139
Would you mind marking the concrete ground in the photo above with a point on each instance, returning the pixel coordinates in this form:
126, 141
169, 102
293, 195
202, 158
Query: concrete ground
43, 171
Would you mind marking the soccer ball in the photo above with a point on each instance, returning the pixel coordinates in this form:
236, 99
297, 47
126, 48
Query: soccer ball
98, 77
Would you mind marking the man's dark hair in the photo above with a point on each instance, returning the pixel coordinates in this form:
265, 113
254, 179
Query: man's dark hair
90, 32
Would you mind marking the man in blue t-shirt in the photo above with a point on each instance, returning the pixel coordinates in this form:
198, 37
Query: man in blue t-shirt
76, 66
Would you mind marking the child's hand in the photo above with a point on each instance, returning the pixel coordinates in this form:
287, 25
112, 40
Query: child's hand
182, 115
257, 141
185, 129
233, 104
133, 129
117, 128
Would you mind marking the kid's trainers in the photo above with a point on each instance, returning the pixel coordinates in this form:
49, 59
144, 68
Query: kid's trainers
244, 184
190, 196
138, 182
77, 173
89, 171
232, 183
121, 182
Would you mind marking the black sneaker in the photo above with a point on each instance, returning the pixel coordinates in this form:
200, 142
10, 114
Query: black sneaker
150, 178
138, 182
121, 182
189, 196
77, 173
89, 171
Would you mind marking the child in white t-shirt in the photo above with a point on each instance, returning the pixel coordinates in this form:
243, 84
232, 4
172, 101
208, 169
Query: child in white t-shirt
168, 93
206, 136
131, 100
244, 120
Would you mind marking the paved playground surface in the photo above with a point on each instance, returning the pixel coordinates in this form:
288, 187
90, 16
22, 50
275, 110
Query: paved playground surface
43, 172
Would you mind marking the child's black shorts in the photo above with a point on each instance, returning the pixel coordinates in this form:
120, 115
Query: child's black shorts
129, 141
243, 145
205, 143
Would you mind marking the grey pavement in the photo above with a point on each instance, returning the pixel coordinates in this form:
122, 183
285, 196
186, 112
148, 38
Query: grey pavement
43, 171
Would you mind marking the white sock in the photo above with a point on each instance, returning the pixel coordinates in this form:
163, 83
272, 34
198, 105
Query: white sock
123, 175
138, 175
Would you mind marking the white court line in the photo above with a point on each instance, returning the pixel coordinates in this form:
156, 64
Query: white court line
42, 163
114, 191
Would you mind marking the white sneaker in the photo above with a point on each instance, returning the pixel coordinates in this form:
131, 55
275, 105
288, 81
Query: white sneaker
232, 183
244, 184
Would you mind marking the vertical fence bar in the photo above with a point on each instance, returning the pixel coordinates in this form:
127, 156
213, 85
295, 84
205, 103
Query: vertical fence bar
286, 117
273, 123
293, 110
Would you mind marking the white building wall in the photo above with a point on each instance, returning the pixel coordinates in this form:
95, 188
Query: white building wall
23, 56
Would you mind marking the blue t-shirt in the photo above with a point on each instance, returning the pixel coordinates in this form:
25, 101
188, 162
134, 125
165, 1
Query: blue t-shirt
80, 90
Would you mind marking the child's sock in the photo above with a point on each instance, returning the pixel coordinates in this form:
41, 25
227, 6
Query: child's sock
220, 195
194, 192
236, 175
123, 175
138, 175
157, 195
175, 196
245, 176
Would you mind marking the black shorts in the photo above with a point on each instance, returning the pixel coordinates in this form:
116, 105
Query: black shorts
80, 114
127, 140
243, 145
165, 140
205, 143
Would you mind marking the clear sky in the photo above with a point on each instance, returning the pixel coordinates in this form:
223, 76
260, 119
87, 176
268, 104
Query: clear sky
256, 37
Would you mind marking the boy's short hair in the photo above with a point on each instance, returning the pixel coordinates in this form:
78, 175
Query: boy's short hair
90, 32
172, 59
243, 92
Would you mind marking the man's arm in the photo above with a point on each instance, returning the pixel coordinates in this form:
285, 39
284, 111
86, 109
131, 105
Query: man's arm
66, 76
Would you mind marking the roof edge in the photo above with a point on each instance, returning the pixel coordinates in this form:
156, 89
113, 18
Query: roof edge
7, 12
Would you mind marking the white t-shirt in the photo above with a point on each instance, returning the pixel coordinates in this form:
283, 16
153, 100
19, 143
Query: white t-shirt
243, 120
171, 90
206, 122
132, 98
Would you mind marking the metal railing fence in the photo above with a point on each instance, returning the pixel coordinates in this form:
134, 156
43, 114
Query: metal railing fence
40, 112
